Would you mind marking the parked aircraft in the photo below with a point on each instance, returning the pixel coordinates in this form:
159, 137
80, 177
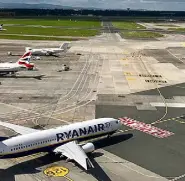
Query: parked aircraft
22, 64
1, 28
64, 140
47, 51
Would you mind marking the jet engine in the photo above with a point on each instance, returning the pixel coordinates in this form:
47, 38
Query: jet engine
88, 147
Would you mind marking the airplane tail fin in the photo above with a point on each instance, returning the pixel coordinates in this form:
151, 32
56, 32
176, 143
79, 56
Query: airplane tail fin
1, 28
25, 60
25, 57
64, 46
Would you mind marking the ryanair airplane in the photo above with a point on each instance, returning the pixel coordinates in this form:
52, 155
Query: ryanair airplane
60, 140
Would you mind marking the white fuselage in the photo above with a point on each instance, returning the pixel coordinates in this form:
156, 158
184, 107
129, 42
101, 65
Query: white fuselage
11, 67
46, 51
58, 136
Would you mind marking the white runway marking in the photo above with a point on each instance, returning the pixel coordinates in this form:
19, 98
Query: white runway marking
161, 104
146, 128
178, 178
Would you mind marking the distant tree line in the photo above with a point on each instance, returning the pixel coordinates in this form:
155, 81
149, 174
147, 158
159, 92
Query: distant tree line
90, 12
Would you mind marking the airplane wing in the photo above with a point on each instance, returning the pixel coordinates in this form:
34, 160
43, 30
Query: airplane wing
18, 129
75, 152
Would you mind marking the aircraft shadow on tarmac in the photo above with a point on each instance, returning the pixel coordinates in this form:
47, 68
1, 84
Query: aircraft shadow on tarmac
38, 77
97, 172
27, 167
41, 55
34, 166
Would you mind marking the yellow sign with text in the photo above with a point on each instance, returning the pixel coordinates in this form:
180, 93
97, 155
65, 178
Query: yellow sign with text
57, 171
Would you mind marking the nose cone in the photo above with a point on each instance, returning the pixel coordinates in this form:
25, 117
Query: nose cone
119, 123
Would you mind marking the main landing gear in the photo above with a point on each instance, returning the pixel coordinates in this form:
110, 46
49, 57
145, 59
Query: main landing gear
110, 134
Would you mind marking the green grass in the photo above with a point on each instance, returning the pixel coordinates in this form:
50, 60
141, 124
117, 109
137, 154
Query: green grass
141, 34
128, 25
177, 29
50, 31
15, 37
53, 22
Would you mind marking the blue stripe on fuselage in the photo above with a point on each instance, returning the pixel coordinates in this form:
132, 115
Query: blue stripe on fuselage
2, 138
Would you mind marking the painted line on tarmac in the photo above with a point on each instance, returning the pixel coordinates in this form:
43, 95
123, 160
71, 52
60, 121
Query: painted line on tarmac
170, 119
181, 122
130, 167
161, 104
178, 178
174, 56
146, 128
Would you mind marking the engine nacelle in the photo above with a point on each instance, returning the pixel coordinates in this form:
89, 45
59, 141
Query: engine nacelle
88, 147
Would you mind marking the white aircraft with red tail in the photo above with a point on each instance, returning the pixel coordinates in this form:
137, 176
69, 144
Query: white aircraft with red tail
22, 64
